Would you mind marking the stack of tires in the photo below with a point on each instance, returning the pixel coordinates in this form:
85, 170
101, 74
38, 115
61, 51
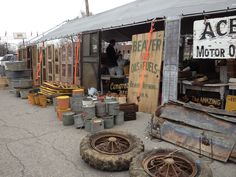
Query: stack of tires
19, 78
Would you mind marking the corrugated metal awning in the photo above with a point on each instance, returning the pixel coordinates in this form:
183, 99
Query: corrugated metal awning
135, 12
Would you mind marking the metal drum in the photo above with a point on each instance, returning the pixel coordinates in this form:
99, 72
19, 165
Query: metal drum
78, 120
76, 104
87, 125
119, 119
67, 118
24, 93
78, 93
108, 122
89, 111
113, 108
107, 101
87, 101
100, 109
97, 125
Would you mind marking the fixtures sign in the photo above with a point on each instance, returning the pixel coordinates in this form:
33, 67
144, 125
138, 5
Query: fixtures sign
215, 38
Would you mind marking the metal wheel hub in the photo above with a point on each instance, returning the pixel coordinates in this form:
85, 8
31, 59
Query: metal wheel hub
111, 143
169, 164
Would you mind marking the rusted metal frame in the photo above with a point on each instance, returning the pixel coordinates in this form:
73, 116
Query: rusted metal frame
221, 147
195, 118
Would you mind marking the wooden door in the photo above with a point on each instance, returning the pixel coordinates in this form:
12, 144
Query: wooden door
57, 64
90, 60
63, 62
70, 62
50, 62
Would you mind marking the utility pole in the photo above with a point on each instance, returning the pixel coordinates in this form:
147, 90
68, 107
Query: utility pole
87, 7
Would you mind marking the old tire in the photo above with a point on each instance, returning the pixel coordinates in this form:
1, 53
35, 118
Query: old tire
136, 167
110, 162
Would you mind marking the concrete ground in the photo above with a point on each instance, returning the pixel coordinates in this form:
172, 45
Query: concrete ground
33, 143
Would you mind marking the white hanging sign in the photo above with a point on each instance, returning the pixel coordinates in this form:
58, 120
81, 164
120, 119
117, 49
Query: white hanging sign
215, 38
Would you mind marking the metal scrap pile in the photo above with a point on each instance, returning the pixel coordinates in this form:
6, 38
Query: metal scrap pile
204, 130
52, 89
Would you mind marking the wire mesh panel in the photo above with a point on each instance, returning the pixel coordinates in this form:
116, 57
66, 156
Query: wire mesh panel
171, 59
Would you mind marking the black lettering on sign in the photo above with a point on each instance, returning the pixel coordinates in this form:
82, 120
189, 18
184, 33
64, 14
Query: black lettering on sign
200, 52
207, 31
231, 50
218, 30
232, 26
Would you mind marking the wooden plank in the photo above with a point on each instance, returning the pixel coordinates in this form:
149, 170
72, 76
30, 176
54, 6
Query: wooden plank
150, 90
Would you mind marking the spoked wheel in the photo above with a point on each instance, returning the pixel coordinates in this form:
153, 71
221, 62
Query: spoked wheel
111, 144
168, 163
110, 150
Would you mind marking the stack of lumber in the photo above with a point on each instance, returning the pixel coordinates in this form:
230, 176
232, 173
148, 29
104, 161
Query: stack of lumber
53, 89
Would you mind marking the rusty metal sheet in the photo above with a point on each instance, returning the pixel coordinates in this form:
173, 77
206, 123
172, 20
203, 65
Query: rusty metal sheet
220, 147
209, 110
196, 119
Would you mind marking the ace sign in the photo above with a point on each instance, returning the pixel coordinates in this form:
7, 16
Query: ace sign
215, 38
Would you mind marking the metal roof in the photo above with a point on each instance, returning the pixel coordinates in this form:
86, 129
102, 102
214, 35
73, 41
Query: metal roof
135, 12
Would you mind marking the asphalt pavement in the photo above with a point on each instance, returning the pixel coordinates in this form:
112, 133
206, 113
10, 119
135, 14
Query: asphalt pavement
33, 143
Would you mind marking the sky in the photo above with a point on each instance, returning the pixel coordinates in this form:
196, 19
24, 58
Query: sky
37, 16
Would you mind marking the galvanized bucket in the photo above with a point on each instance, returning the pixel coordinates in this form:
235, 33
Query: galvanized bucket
87, 101
54, 101
78, 93
89, 111
87, 124
100, 109
78, 120
24, 93
119, 119
107, 101
97, 125
76, 104
113, 108
16, 65
108, 122
67, 118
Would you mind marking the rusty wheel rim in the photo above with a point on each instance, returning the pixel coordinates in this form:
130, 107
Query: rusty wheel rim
111, 143
166, 165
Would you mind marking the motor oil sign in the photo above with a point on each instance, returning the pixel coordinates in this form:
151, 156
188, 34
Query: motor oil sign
215, 38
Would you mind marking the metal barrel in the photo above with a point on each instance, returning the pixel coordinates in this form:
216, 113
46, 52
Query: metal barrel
113, 108
87, 101
119, 119
89, 111
100, 109
87, 124
108, 122
97, 125
16, 65
18, 74
78, 93
24, 93
67, 118
22, 83
107, 101
76, 104
78, 120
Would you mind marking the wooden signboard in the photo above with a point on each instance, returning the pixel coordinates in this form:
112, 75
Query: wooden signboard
230, 103
151, 83
118, 85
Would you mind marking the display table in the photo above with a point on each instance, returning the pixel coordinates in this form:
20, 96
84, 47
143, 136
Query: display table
219, 88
